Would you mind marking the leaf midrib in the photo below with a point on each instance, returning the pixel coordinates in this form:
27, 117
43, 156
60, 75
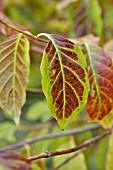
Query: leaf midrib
14, 67
94, 75
64, 96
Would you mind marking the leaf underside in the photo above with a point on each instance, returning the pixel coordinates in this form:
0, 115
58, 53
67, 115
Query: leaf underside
100, 70
14, 69
64, 78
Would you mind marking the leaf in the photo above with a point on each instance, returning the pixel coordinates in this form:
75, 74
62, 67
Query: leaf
10, 137
13, 161
89, 38
77, 163
100, 98
109, 159
107, 17
107, 121
14, 69
83, 19
109, 45
96, 156
64, 78
38, 110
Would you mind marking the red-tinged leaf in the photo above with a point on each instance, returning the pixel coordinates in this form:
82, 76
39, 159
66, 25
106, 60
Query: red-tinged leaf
89, 38
64, 78
100, 69
109, 46
83, 18
107, 121
13, 161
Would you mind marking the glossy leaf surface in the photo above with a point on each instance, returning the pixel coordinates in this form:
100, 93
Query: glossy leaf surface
100, 69
64, 78
14, 69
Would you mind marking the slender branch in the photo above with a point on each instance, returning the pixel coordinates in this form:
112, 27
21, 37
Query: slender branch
53, 135
34, 91
37, 49
71, 157
23, 32
62, 152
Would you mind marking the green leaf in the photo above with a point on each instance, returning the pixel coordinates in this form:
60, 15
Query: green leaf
10, 135
38, 110
14, 70
100, 98
64, 78
94, 21
107, 121
77, 163
109, 159
35, 166
107, 11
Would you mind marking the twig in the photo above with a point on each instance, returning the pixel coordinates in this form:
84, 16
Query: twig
62, 152
71, 157
51, 136
34, 91
37, 49
23, 32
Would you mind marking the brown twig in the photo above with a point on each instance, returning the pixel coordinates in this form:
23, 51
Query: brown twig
53, 135
23, 32
71, 157
34, 91
67, 151
37, 49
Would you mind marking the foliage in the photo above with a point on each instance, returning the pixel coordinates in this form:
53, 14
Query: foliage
76, 72
64, 78
14, 69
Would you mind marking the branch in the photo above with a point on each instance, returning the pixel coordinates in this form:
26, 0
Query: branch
71, 157
34, 91
87, 143
23, 32
37, 49
53, 135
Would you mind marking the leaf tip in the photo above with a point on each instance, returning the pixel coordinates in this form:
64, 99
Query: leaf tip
15, 115
17, 120
62, 124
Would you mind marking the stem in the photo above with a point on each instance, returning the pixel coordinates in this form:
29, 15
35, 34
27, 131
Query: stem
87, 143
71, 157
23, 32
37, 49
35, 91
51, 136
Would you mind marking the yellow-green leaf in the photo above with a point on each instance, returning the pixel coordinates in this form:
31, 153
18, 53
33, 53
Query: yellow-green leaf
64, 78
14, 70
109, 160
107, 121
